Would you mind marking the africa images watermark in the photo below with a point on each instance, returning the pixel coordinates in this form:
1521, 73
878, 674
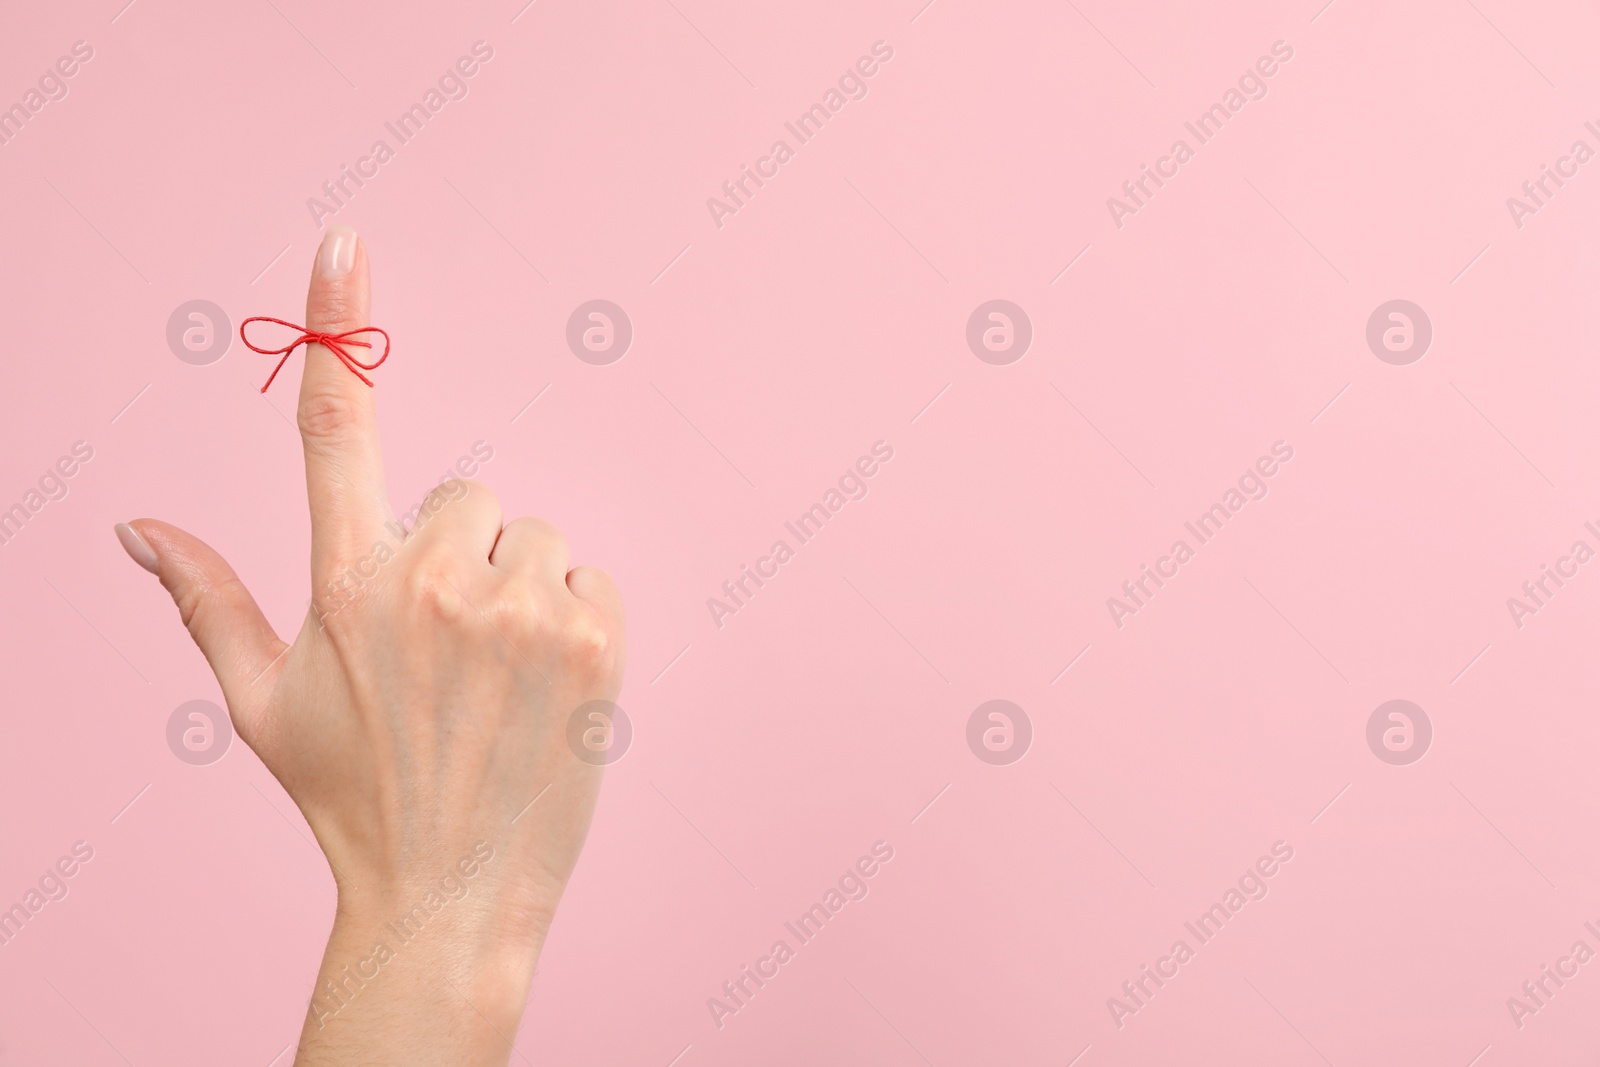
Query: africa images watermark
52, 85
852, 85
452, 85
1538, 191
852, 885
52, 886
1537, 592
51, 486
1252, 85
335, 995
1251, 886
1252, 485
1536, 993
852, 485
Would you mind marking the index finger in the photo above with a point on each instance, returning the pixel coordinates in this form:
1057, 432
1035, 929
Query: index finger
337, 415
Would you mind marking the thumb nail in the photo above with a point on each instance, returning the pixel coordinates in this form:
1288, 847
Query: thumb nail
136, 547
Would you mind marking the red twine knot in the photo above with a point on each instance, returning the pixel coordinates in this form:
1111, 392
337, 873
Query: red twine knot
333, 342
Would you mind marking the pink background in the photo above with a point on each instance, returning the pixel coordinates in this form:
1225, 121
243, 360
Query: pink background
824, 316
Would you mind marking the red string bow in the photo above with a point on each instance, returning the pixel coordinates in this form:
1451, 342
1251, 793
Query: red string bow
333, 342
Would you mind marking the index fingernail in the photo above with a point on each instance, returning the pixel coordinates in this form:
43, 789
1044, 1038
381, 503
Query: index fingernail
337, 255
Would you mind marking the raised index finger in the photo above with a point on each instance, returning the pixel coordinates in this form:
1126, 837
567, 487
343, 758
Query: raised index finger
337, 415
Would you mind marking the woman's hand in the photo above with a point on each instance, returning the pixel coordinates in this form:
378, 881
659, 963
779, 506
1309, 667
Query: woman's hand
419, 719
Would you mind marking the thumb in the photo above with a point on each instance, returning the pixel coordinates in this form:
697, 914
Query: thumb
218, 610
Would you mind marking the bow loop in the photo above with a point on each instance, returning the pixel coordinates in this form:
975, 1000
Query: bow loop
334, 342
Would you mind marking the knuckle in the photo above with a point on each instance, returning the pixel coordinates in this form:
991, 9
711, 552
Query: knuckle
189, 601
451, 491
193, 597
586, 646
542, 533
198, 602
544, 529
333, 309
521, 617
433, 589
326, 415
480, 493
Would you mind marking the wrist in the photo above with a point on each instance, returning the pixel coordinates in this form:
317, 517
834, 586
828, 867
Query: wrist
381, 964
471, 905
417, 955
449, 991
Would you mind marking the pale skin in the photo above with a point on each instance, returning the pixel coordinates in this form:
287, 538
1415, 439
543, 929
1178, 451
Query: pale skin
412, 720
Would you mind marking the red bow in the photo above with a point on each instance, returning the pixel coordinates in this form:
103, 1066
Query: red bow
333, 342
